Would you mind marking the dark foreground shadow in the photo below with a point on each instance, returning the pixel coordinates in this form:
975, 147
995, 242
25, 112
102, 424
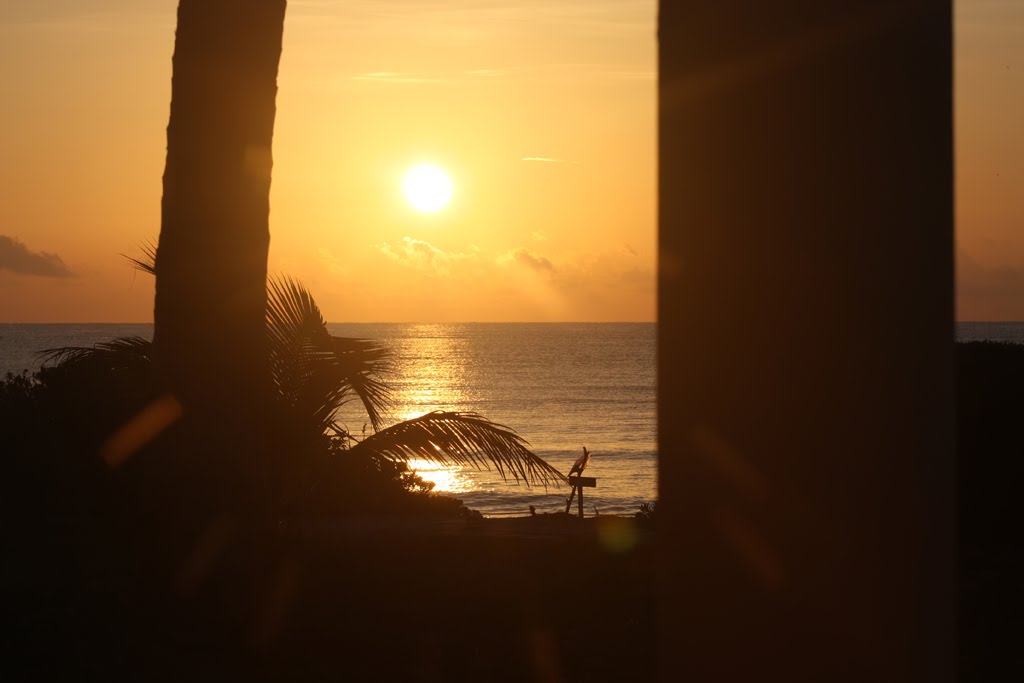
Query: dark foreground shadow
990, 447
94, 588
139, 574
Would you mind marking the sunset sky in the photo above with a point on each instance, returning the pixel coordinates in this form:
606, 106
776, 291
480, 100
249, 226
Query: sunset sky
541, 112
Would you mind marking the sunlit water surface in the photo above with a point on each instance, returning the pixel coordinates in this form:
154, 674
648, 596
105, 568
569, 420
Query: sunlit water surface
561, 386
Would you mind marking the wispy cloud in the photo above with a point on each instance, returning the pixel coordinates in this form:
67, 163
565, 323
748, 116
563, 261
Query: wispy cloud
17, 258
610, 284
549, 160
525, 257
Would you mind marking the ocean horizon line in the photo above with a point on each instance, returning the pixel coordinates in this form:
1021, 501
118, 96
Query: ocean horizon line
453, 322
387, 322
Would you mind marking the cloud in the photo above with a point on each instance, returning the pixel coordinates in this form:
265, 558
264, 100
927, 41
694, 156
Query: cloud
615, 268
549, 160
598, 285
601, 285
539, 235
424, 256
610, 284
527, 258
16, 257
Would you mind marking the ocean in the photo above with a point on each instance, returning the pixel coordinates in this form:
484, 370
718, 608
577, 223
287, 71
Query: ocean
560, 386
1012, 332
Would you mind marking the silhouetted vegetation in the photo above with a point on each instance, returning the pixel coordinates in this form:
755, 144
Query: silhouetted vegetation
180, 508
159, 534
140, 556
646, 515
322, 467
97, 550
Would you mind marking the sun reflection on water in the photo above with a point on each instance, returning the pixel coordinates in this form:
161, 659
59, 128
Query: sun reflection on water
555, 385
432, 374
432, 377
445, 479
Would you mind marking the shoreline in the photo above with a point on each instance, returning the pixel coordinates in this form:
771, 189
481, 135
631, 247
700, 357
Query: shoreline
621, 530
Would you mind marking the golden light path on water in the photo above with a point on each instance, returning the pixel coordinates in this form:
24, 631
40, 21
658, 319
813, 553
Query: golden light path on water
440, 366
445, 479
558, 386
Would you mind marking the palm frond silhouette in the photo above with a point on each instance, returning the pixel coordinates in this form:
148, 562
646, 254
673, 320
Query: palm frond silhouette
465, 439
315, 374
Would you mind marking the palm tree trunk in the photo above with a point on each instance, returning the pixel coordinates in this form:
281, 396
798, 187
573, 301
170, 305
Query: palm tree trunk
211, 265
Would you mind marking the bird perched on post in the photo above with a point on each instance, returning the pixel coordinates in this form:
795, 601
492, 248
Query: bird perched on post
581, 463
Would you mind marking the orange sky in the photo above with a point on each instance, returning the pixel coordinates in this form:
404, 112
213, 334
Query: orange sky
542, 111
990, 159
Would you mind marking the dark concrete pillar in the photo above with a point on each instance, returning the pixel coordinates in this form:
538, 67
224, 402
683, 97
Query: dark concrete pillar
805, 348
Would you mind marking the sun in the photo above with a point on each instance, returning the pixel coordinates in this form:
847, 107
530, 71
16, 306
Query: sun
427, 187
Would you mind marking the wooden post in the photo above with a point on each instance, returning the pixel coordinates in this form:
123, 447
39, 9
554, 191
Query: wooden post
577, 484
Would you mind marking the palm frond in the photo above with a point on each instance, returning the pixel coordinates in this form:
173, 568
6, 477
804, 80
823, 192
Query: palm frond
147, 264
361, 363
120, 352
467, 439
315, 372
118, 370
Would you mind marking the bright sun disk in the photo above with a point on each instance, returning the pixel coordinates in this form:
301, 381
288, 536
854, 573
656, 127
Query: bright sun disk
427, 187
